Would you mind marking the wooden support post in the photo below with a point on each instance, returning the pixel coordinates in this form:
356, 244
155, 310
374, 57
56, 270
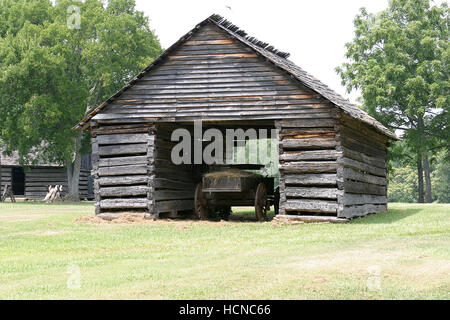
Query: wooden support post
1, 175
339, 173
151, 141
95, 167
282, 185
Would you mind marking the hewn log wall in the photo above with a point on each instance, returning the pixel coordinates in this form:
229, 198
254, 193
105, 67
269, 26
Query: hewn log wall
363, 167
123, 168
38, 178
6, 177
309, 150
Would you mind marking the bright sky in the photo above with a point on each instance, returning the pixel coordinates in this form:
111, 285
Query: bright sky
314, 32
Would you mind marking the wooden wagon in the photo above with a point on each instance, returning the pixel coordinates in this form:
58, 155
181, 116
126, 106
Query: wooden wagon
220, 190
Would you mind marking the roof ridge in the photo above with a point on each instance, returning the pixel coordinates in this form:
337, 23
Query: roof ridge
241, 33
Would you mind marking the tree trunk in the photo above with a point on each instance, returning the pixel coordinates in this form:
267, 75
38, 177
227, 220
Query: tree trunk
426, 168
420, 177
0, 174
73, 171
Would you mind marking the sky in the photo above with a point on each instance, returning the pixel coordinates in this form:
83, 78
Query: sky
314, 32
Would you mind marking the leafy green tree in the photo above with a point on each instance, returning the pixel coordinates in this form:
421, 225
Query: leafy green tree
399, 59
60, 60
403, 186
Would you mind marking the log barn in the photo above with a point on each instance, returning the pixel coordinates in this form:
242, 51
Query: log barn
332, 155
31, 182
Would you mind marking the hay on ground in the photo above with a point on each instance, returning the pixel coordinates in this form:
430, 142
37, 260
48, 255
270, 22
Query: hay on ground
90, 219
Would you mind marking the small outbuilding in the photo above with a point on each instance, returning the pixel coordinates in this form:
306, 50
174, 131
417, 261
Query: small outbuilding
332, 155
31, 182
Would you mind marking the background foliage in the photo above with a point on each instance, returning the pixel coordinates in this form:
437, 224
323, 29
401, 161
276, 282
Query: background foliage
56, 64
399, 59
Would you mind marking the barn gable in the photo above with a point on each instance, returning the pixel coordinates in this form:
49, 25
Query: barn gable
213, 76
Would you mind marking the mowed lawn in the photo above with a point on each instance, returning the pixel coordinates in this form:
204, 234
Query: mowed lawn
46, 254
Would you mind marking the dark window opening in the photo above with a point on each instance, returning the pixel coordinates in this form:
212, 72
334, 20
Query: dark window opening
18, 181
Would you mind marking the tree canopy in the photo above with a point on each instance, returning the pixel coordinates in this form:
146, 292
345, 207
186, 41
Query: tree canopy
57, 61
399, 59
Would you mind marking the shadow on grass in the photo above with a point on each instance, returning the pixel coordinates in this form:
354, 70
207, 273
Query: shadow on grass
393, 215
238, 215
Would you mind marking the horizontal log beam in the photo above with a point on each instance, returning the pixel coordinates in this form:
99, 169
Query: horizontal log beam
350, 163
309, 192
372, 161
122, 161
316, 123
122, 138
123, 170
310, 155
354, 199
364, 188
122, 149
119, 129
352, 174
311, 206
134, 203
310, 179
308, 143
360, 211
128, 191
112, 216
123, 180
366, 148
309, 166
310, 219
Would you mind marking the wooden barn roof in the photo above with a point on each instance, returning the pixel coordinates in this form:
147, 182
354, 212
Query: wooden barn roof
278, 58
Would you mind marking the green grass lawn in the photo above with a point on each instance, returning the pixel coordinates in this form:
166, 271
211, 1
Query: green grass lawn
403, 254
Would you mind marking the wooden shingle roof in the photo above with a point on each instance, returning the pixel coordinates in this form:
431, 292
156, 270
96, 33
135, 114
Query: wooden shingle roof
276, 57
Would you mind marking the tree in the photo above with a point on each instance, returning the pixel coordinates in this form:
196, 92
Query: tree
399, 60
441, 176
60, 60
403, 182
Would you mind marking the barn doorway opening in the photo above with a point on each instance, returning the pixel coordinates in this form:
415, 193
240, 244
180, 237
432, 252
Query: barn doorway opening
227, 191
18, 181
